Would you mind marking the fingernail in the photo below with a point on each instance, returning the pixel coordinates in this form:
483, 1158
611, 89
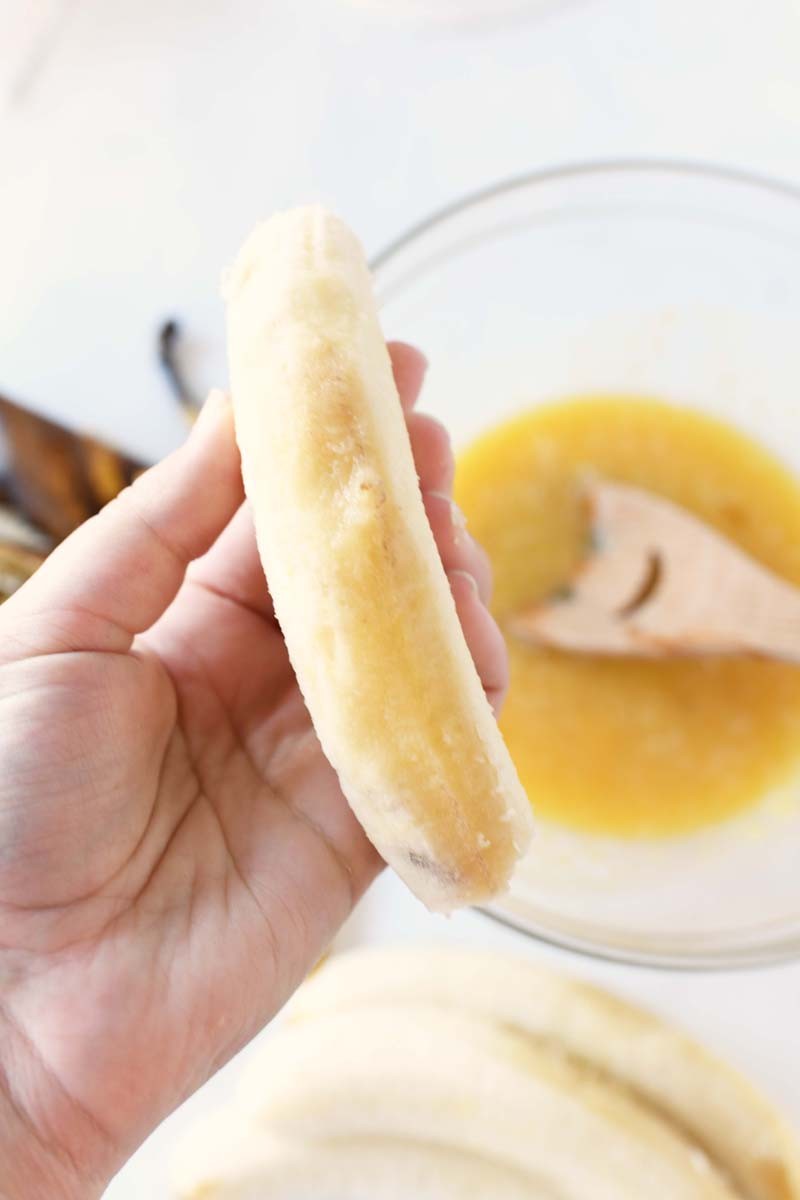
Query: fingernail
466, 575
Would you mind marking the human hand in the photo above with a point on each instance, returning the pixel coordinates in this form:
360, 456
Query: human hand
175, 851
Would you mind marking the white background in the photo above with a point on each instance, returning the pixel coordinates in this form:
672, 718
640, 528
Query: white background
140, 140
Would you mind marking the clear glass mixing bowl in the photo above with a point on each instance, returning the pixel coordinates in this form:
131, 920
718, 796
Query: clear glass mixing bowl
659, 278
456, 12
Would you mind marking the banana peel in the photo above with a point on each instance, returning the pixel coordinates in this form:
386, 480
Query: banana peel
56, 478
17, 563
53, 480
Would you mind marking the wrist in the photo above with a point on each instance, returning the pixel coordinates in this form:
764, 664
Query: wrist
35, 1162
29, 1168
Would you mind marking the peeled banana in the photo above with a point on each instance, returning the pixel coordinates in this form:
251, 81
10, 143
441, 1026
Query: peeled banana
721, 1111
418, 1072
459, 1074
221, 1160
359, 590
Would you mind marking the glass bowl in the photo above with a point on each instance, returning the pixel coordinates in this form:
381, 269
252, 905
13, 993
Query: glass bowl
655, 278
455, 12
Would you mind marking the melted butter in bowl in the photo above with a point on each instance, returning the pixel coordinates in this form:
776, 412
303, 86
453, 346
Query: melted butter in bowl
634, 749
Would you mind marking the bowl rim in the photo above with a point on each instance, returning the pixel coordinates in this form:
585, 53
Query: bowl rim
746, 956
582, 169
749, 953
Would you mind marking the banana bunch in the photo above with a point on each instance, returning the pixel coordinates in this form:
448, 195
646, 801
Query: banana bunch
460, 1075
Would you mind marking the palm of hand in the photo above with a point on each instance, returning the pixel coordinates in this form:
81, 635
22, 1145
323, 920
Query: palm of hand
176, 850
175, 905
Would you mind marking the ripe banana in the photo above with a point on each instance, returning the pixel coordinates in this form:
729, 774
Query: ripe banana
417, 1073
223, 1159
355, 576
461, 1075
719, 1109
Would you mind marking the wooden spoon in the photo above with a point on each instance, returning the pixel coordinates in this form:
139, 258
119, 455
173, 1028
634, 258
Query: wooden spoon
660, 583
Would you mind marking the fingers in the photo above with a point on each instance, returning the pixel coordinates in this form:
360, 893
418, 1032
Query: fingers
433, 454
433, 458
457, 550
116, 574
485, 641
409, 366
466, 563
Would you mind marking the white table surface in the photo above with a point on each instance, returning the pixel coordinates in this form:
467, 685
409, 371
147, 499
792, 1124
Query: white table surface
140, 140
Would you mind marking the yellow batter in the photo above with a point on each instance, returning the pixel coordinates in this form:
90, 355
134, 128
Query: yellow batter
633, 748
